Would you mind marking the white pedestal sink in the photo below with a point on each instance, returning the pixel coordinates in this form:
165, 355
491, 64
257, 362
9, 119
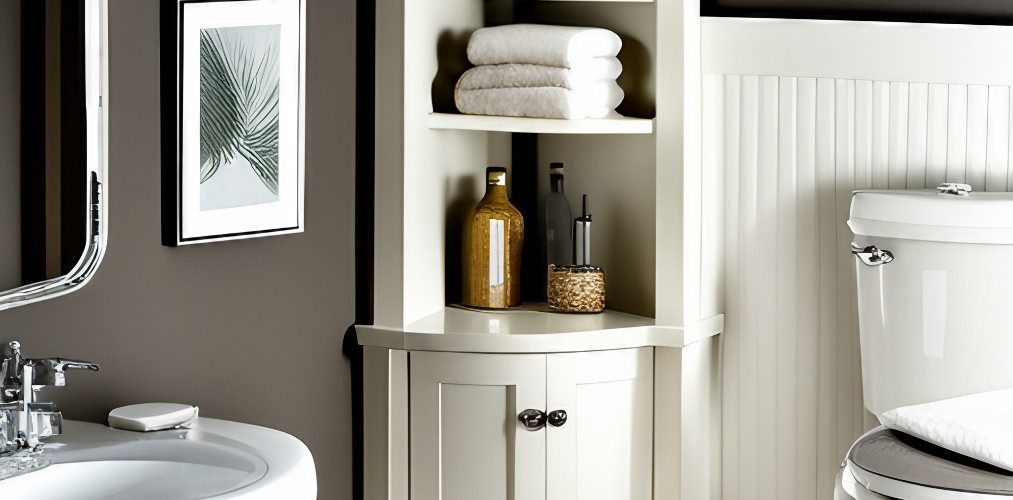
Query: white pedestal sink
214, 459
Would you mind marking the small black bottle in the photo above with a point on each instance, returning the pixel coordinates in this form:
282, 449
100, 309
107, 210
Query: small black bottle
558, 221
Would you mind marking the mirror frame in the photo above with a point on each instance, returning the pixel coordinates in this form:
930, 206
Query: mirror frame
96, 69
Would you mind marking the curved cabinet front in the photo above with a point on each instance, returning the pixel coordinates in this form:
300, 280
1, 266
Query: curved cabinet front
637, 423
588, 436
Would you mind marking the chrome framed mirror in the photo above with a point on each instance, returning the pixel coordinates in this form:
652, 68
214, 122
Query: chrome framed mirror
55, 167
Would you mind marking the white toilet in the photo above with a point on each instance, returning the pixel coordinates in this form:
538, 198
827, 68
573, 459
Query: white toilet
935, 302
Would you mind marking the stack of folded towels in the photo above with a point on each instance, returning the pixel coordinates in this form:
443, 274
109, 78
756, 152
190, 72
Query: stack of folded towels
540, 71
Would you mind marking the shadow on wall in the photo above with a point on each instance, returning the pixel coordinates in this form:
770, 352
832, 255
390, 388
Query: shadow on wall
636, 59
452, 58
460, 201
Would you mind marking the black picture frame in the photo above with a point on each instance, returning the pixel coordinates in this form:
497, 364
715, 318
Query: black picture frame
172, 23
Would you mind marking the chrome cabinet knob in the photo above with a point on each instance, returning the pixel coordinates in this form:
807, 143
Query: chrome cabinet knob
532, 420
557, 418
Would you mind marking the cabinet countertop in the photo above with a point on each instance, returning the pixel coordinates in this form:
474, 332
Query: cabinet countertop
533, 331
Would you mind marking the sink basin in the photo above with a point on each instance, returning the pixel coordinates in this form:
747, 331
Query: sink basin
214, 459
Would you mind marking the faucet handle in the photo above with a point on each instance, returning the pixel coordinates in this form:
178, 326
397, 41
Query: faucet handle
10, 360
10, 370
50, 371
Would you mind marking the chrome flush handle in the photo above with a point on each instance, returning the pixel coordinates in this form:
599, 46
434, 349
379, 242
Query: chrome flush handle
954, 188
872, 256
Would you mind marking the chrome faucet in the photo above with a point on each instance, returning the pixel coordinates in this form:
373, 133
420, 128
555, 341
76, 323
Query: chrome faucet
25, 421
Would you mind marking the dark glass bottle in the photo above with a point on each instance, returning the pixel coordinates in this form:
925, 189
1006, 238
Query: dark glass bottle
558, 221
492, 274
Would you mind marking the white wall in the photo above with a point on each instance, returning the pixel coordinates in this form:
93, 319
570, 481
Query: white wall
830, 115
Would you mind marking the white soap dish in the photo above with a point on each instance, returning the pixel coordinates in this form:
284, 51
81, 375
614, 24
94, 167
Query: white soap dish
149, 417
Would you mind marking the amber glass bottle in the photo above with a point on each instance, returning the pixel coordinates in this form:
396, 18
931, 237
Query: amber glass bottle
492, 264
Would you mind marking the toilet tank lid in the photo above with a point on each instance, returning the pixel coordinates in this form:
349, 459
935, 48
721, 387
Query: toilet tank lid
985, 217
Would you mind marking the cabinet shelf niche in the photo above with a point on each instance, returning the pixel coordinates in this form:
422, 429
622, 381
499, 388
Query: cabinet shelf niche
612, 124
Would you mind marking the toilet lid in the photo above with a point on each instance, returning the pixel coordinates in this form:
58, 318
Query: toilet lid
897, 456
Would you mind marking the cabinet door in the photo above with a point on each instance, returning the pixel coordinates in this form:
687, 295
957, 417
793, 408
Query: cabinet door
603, 451
466, 441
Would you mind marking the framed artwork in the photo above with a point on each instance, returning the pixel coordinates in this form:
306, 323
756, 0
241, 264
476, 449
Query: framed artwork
233, 76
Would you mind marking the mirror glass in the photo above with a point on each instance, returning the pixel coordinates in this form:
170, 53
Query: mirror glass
51, 146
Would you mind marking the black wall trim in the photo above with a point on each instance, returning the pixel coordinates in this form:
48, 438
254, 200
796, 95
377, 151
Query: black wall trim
73, 136
365, 175
33, 142
169, 25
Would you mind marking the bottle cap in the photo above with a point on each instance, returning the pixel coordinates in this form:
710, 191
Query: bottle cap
495, 175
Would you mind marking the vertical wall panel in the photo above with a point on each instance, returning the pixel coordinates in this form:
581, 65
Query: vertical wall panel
936, 131
749, 429
977, 135
766, 302
998, 139
794, 149
787, 293
898, 126
863, 133
844, 180
917, 134
956, 134
808, 291
826, 214
880, 134
733, 309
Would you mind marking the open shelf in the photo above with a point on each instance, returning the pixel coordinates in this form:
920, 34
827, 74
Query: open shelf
613, 124
604, 1
532, 330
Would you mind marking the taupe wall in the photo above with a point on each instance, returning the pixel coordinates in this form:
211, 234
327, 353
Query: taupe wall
10, 143
247, 330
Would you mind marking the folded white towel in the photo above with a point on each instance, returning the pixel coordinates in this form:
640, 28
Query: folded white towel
562, 46
593, 100
534, 75
978, 426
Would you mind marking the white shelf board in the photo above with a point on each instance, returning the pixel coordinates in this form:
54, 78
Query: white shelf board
533, 331
604, 1
613, 124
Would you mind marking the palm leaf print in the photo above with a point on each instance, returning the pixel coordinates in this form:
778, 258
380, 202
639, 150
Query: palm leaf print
239, 99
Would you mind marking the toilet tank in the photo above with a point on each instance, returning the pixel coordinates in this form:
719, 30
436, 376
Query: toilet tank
937, 321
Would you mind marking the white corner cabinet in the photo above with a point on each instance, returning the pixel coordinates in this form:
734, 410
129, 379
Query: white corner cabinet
588, 433
629, 412
443, 387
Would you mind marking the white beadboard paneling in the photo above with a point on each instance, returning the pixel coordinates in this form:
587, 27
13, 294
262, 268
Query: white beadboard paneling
766, 302
844, 184
786, 329
917, 134
807, 200
863, 133
794, 148
898, 125
956, 134
749, 288
733, 310
998, 139
977, 135
935, 136
880, 135
827, 453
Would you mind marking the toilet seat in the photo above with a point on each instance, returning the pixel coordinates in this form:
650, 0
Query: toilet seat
896, 465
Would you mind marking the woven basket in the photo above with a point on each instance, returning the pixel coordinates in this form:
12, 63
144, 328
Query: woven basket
576, 289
